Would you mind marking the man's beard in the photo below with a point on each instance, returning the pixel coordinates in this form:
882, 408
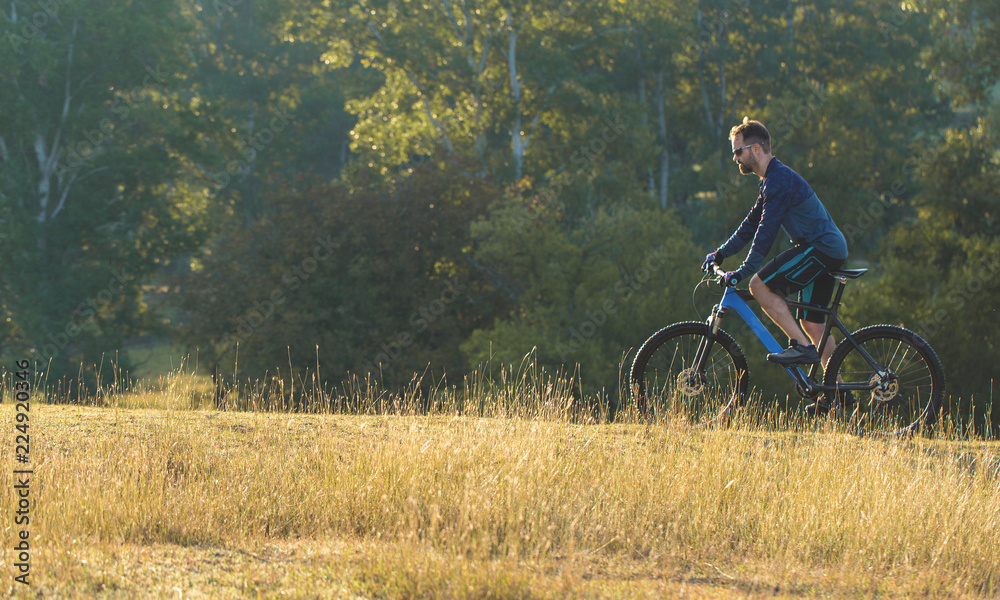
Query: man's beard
746, 168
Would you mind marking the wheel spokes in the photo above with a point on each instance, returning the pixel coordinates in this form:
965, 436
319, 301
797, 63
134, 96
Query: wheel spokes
901, 390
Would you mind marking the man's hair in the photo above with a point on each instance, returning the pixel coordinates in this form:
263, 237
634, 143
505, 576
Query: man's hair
753, 132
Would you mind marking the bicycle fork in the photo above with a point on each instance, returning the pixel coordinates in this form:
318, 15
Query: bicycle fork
705, 345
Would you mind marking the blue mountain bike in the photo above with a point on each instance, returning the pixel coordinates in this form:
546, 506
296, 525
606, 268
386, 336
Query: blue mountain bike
881, 380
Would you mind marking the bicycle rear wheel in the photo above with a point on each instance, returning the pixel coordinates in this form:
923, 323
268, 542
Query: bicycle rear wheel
666, 381
908, 378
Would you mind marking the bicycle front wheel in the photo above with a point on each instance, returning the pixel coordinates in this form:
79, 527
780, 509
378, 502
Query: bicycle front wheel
666, 378
907, 376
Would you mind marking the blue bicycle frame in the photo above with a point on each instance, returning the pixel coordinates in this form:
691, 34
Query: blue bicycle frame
736, 299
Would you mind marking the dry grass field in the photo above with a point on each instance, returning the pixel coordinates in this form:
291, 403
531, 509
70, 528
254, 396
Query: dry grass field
148, 497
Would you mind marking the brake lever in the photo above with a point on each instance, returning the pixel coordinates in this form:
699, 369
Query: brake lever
719, 274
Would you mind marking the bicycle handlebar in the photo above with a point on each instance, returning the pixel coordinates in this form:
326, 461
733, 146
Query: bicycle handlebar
720, 273
716, 269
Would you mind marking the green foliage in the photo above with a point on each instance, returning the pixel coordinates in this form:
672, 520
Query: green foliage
505, 168
966, 55
944, 287
939, 270
96, 182
377, 275
587, 294
280, 107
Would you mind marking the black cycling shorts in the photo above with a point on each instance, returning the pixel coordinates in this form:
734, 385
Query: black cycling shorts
805, 270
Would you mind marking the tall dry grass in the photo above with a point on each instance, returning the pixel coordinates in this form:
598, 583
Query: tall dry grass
530, 482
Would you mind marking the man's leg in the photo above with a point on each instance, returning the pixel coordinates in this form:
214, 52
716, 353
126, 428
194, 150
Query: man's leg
776, 308
815, 332
821, 406
820, 292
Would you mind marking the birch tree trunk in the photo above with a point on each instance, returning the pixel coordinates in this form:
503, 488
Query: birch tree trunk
703, 85
661, 113
650, 180
791, 40
465, 35
720, 129
517, 135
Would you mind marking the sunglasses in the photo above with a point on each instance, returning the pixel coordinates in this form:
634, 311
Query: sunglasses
737, 152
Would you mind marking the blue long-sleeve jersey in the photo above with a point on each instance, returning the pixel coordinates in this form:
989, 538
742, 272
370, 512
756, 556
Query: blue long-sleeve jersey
786, 201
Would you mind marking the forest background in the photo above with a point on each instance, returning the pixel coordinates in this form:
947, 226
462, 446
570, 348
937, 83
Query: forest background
379, 188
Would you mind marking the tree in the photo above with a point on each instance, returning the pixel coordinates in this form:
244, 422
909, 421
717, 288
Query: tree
481, 80
584, 295
378, 280
938, 269
282, 109
98, 138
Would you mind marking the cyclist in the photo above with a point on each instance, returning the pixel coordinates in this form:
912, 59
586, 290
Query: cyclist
786, 201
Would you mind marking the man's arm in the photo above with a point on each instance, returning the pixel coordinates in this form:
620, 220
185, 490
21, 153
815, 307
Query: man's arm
744, 233
775, 208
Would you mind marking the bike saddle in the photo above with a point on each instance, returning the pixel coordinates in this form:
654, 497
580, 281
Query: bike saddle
849, 273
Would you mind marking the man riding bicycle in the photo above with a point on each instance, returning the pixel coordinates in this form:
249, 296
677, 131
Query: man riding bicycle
787, 202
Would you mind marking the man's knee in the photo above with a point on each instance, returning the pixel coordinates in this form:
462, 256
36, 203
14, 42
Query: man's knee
757, 287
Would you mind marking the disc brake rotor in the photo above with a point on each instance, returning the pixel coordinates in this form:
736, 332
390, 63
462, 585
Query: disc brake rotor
689, 382
885, 389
